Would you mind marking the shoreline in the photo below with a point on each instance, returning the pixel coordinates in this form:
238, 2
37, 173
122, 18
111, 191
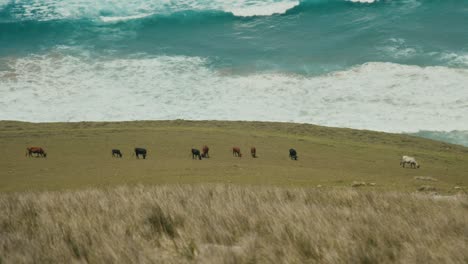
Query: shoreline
443, 136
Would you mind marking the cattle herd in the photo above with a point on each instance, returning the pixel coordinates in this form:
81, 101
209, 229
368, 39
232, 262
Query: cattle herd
197, 154
142, 152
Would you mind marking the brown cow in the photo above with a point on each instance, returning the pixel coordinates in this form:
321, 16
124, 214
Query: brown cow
236, 152
253, 152
36, 150
205, 151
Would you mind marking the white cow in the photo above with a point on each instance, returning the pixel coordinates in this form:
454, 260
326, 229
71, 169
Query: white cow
409, 160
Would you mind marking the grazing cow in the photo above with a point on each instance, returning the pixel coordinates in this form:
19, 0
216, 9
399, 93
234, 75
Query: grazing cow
36, 150
409, 160
253, 152
205, 151
196, 153
293, 154
116, 153
236, 152
140, 151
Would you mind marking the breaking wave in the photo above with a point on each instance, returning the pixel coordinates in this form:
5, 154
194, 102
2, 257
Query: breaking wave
387, 65
377, 96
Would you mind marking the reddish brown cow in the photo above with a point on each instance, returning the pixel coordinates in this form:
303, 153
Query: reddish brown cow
253, 152
236, 152
36, 150
205, 150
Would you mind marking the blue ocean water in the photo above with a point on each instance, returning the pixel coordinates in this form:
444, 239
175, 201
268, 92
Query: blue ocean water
312, 37
389, 65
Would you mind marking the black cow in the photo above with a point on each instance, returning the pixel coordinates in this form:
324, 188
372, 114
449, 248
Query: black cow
116, 153
140, 151
293, 154
196, 153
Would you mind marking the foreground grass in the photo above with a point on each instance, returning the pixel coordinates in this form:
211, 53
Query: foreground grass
79, 156
232, 224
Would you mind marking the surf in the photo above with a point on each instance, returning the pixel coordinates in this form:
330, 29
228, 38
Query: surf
42, 10
377, 96
336, 63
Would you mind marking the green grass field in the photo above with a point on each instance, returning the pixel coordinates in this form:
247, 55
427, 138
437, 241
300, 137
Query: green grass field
79, 156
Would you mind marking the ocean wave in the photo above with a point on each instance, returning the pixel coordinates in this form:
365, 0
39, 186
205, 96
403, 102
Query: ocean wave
45, 10
378, 96
262, 10
42, 10
363, 1
454, 59
114, 19
398, 49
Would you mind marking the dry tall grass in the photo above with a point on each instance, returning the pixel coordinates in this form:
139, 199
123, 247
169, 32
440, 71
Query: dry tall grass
231, 224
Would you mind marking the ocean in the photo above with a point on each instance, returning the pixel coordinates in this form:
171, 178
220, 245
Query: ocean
390, 65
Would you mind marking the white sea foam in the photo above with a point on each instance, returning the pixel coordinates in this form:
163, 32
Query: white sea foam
377, 96
96, 9
398, 49
113, 19
455, 59
264, 9
363, 1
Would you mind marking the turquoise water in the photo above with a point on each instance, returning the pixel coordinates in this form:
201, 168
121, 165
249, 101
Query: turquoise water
454, 137
311, 38
388, 65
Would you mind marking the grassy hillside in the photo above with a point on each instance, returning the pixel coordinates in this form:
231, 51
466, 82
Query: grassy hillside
231, 224
79, 155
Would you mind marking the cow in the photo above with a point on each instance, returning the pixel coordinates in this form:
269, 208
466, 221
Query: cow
36, 150
253, 152
236, 152
140, 151
116, 153
196, 153
205, 151
293, 154
409, 160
